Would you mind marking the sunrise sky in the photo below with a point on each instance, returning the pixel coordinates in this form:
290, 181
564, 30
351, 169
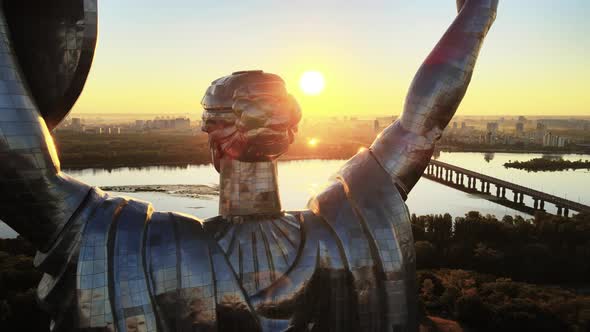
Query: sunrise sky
159, 56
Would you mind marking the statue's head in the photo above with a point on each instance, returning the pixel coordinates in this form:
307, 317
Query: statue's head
249, 116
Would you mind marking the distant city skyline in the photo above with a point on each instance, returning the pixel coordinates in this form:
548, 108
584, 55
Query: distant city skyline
158, 57
197, 115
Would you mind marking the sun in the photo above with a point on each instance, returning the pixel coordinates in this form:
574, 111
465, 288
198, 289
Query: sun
312, 83
313, 142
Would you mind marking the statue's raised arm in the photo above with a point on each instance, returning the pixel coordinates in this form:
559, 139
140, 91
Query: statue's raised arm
365, 204
46, 51
404, 149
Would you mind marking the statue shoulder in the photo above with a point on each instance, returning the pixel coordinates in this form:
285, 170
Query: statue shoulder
187, 265
361, 189
120, 262
364, 207
145, 265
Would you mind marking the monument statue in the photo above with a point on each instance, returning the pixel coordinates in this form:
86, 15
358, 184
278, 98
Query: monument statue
346, 263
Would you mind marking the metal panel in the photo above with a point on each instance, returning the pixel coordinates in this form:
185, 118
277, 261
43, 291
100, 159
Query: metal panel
93, 288
35, 198
132, 303
54, 42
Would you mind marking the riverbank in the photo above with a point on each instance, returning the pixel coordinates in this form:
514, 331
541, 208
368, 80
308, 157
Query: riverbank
190, 191
514, 150
109, 164
80, 151
79, 165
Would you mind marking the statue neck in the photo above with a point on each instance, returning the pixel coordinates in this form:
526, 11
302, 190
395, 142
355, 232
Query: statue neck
248, 188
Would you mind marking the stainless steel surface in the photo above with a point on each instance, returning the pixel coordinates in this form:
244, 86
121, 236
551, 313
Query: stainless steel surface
261, 250
36, 199
404, 148
93, 289
113, 264
248, 188
249, 116
57, 289
368, 214
54, 42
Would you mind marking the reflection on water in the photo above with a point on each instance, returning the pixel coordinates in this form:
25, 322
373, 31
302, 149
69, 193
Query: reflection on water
300, 180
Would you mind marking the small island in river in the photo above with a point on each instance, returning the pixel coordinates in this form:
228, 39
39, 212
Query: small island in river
544, 164
184, 190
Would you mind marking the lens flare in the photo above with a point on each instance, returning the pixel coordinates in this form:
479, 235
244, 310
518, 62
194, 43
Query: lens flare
312, 83
313, 142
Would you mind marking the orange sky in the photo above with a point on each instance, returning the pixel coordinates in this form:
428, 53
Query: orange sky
159, 57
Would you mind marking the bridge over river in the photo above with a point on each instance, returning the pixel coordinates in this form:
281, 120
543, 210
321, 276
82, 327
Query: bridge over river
480, 184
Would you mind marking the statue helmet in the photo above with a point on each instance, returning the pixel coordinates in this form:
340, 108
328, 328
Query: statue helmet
249, 116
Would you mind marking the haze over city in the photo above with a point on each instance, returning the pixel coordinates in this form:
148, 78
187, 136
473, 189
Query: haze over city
159, 57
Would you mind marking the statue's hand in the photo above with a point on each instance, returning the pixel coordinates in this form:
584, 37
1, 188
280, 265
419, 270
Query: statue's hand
492, 4
460, 4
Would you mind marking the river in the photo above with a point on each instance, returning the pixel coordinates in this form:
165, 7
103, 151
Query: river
299, 180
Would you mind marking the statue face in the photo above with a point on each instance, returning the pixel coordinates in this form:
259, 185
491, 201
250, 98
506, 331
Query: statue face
260, 124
